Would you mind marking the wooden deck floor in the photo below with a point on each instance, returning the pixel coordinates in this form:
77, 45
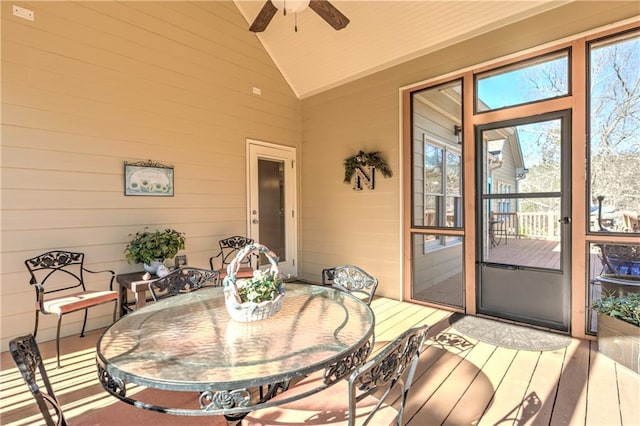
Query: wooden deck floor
460, 381
525, 252
537, 253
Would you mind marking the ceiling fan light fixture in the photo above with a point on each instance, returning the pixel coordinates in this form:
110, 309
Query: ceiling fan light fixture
323, 8
291, 6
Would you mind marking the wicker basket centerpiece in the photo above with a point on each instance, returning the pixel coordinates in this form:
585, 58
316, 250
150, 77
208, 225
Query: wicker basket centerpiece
258, 297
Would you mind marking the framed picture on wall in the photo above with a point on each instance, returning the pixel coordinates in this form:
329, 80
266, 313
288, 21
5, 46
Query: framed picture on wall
148, 178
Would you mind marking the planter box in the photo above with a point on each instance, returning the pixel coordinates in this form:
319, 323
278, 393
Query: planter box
620, 341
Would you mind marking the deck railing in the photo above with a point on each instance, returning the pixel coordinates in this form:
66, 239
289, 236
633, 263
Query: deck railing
542, 225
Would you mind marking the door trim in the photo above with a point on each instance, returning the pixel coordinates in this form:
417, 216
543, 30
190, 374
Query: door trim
280, 152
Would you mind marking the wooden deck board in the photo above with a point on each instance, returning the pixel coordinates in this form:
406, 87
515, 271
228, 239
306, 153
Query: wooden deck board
429, 377
446, 397
570, 406
459, 381
474, 403
602, 406
629, 395
511, 395
543, 388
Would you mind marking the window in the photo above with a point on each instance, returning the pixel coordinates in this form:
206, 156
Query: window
614, 134
437, 158
443, 191
511, 86
437, 275
504, 204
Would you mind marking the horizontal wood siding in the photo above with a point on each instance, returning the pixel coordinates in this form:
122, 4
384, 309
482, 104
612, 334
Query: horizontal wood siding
90, 85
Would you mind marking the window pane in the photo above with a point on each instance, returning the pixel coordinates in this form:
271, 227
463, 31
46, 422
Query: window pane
436, 156
614, 268
539, 79
454, 183
454, 212
523, 158
527, 237
432, 169
431, 210
615, 134
437, 269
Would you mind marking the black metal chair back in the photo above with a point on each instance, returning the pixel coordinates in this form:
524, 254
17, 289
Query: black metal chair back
355, 280
57, 270
327, 276
181, 280
385, 372
229, 248
58, 279
26, 355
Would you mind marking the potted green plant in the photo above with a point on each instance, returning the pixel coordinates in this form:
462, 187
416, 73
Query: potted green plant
152, 248
619, 328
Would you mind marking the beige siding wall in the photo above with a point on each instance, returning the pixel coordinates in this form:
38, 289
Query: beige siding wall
90, 85
340, 225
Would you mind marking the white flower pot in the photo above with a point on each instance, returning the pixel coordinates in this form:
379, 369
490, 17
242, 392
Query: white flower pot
153, 267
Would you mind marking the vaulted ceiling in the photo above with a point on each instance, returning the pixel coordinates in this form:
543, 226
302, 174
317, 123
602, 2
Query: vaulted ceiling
380, 34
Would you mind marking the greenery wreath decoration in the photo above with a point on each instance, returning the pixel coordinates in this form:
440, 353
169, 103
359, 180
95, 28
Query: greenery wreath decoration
365, 159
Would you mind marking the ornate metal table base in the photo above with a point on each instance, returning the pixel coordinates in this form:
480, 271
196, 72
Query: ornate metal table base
236, 404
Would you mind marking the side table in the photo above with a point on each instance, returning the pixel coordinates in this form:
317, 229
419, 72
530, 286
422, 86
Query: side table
134, 282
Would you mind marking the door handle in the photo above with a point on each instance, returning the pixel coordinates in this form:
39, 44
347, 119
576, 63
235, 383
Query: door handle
565, 220
255, 221
500, 266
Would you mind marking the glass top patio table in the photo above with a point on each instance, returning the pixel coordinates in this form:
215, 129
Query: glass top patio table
189, 343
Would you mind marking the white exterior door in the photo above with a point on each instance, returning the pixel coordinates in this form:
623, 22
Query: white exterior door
272, 201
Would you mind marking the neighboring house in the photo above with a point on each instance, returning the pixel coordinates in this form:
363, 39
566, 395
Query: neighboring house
506, 168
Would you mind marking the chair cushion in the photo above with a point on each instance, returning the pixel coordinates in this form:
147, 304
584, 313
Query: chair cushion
243, 272
328, 407
77, 301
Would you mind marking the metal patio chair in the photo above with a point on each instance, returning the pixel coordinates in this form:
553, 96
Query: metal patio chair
229, 248
26, 355
58, 278
327, 276
374, 394
355, 280
28, 359
181, 280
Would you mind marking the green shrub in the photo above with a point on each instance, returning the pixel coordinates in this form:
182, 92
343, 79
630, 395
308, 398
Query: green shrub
625, 308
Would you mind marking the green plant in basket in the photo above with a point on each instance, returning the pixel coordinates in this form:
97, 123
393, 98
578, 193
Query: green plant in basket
263, 286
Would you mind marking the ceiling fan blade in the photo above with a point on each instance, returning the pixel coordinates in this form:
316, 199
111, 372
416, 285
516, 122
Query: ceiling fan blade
329, 13
264, 17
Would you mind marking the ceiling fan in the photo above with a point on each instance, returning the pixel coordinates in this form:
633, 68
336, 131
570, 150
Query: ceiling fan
326, 10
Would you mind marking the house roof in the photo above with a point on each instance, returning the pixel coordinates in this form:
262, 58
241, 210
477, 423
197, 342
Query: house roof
381, 34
